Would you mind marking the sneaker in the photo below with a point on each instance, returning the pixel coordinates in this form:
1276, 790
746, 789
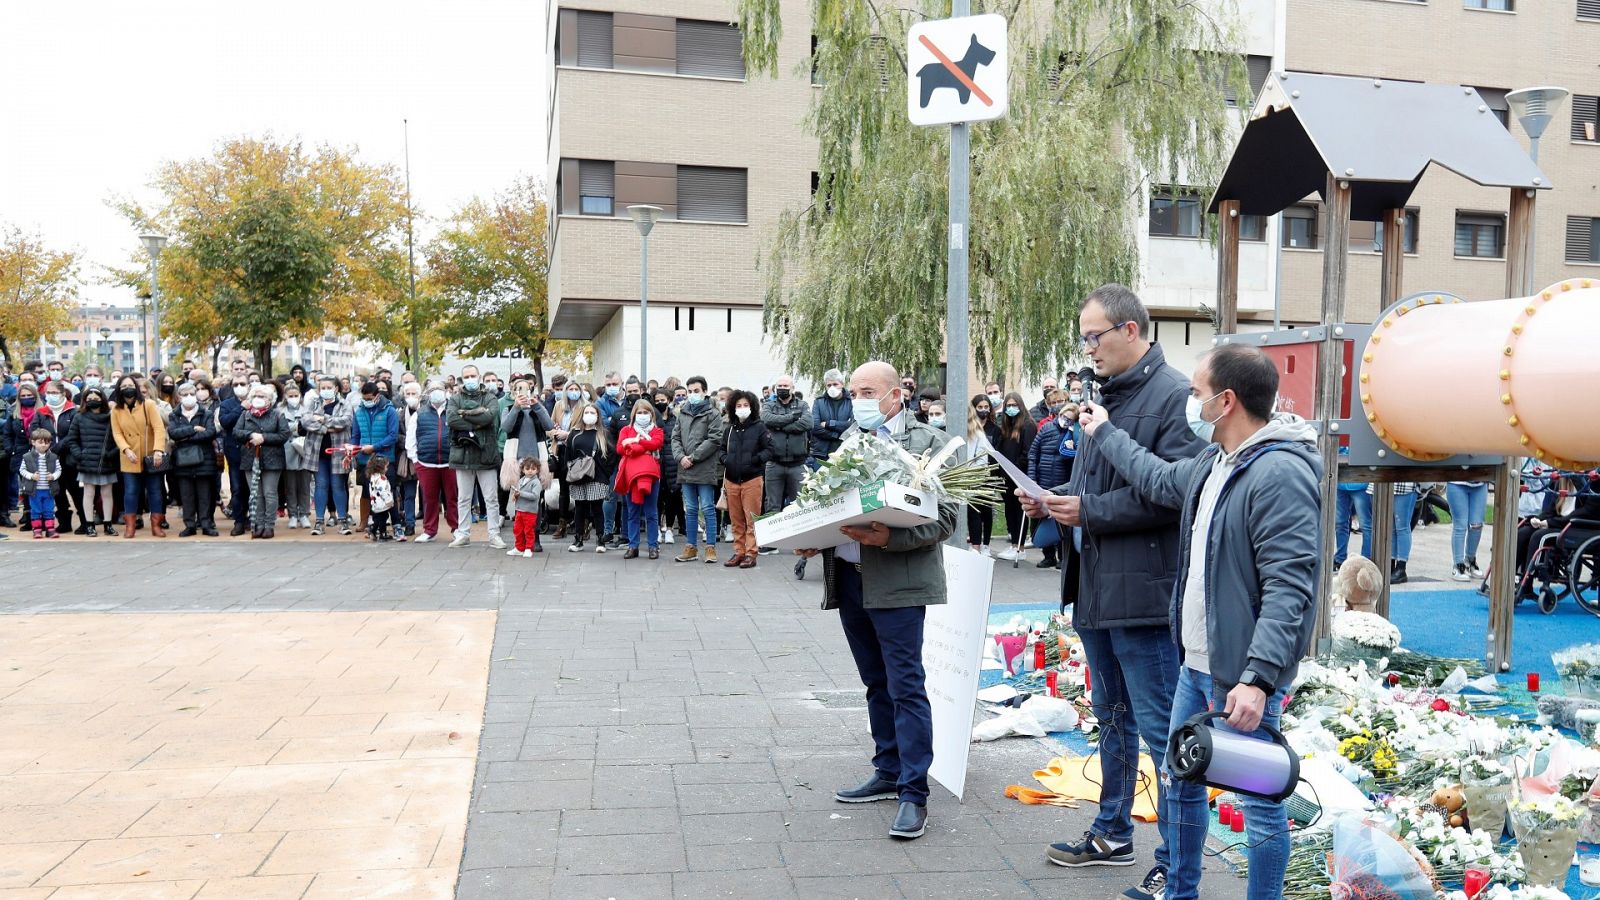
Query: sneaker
526, 554
727, 535
400, 536
1008, 554
599, 548
576, 547
690, 554
513, 552
666, 536
1153, 887
986, 551
461, 541
1045, 564
1459, 572
344, 526
1093, 850
317, 528
496, 541
424, 538
711, 556
1472, 566
767, 551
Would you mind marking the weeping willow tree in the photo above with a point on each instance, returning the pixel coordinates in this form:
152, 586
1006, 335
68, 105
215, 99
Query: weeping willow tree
1104, 95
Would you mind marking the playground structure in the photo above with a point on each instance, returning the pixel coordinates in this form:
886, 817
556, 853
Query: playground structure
1438, 388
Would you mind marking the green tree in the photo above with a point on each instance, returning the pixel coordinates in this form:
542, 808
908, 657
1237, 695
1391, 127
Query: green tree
324, 197
82, 359
1103, 95
38, 287
489, 267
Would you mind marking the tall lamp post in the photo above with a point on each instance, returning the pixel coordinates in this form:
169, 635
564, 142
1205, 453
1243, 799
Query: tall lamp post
645, 218
153, 244
1534, 107
105, 349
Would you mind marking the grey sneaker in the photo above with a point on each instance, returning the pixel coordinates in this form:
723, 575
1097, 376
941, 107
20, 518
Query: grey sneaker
1093, 850
461, 541
1153, 887
496, 542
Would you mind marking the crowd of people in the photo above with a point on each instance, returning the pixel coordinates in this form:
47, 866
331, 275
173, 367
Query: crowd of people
623, 465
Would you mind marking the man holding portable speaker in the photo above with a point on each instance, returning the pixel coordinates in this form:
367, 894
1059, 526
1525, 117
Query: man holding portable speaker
1242, 610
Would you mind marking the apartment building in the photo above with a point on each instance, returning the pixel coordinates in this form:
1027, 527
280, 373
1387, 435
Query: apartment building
649, 104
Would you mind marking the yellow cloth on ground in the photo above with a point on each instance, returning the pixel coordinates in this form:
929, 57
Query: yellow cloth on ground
1073, 778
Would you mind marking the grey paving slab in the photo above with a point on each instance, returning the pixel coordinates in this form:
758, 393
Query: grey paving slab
651, 730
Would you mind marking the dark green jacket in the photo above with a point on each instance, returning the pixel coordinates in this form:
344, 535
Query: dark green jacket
910, 570
474, 422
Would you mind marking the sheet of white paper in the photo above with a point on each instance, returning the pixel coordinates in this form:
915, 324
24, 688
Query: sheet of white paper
1028, 485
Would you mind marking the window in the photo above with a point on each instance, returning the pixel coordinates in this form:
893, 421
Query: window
594, 39
814, 78
1367, 237
1300, 227
596, 187
1589, 9
1495, 99
709, 48
1584, 114
712, 195
1257, 68
1481, 235
1501, 5
1583, 239
1252, 228
1174, 213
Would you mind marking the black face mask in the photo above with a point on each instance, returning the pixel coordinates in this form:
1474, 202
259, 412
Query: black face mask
168, 388
128, 393
784, 393
661, 407
94, 405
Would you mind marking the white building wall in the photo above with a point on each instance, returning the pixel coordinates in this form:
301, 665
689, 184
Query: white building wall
740, 358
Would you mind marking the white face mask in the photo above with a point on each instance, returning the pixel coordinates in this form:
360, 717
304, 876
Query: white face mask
258, 403
189, 402
1194, 412
413, 401
437, 398
240, 390
742, 412
590, 417
641, 423
835, 391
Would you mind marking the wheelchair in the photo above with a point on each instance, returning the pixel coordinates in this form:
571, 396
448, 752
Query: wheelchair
1565, 563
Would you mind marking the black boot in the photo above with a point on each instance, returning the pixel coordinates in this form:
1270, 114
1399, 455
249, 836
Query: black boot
1398, 574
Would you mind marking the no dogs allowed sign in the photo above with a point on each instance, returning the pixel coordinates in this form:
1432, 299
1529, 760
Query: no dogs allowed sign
956, 70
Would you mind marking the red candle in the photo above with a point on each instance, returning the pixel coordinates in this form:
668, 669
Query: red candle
1088, 686
1038, 654
1238, 821
1533, 682
1475, 881
1225, 813
1050, 682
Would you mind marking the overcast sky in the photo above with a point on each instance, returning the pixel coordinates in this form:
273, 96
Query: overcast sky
97, 94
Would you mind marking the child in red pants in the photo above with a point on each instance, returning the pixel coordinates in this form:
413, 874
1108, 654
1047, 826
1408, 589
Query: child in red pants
529, 492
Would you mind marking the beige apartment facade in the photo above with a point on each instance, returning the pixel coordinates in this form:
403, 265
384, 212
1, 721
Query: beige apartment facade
646, 108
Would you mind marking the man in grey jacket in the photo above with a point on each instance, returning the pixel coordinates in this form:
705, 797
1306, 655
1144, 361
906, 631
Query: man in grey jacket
882, 583
788, 420
1247, 579
697, 452
1128, 548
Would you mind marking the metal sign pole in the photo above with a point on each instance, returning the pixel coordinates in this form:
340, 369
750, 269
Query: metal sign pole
956, 304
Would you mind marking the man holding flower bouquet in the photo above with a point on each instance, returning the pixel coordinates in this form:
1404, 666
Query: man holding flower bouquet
881, 583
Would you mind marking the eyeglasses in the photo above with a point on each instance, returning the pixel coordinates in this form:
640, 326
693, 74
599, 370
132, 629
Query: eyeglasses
1092, 339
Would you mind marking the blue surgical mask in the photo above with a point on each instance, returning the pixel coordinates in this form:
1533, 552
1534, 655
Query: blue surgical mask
936, 421
867, 414
370, 404
1202, 429
470, 384
325, 393
574, 396
90, 381
1012, 411
612, 391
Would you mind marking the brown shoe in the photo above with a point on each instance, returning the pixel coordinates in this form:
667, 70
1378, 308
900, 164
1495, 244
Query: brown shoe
631, 553
127, 526
655, 554
711, 556
561, 532
266, 533
690, 554
157, 526
749, 562
733, 561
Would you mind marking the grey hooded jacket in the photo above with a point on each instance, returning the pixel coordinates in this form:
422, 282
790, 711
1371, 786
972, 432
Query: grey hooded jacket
1263, 553
699, 435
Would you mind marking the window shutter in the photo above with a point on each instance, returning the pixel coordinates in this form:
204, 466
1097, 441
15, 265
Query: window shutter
597, 179
594, 39
1584, 110
1259, 67
1589, 9
709, 48
711, 195
881, 53
1581, 234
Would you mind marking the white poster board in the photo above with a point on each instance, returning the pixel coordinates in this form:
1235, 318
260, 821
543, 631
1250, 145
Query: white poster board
953, 636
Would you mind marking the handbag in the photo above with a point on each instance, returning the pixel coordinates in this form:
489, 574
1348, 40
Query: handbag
580, 470
1046, 533
189, 456
510, 464
151, 468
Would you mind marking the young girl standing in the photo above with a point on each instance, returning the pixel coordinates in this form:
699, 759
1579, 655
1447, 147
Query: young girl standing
381, 495
529, 492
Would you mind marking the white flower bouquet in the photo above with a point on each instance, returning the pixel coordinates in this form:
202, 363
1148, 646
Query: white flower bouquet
1364, 637
1579, 669
864, 458
1547, 836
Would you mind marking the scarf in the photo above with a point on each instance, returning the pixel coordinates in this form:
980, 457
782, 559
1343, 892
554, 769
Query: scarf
258, 413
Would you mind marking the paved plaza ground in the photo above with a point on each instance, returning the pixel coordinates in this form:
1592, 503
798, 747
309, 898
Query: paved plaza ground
328, 718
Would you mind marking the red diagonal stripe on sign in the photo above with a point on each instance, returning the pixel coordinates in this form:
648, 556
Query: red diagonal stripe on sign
954, 70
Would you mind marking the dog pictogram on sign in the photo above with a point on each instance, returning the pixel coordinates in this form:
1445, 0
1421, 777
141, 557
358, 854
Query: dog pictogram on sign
957, 70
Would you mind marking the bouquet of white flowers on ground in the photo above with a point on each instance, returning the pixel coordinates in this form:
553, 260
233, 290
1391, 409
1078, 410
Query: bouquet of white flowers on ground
1364, 636
864, 458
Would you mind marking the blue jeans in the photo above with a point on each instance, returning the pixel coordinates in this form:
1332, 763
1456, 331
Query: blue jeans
1187, 813
1468, 503
137, 484
42, 505
405, 495
12, 485
336, 485
1404, 506
887, 646
1134, 673
611, 513
700, 502
649, 515
1360, 504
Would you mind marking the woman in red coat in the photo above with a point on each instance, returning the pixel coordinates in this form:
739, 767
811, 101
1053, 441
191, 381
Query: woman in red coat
639, 477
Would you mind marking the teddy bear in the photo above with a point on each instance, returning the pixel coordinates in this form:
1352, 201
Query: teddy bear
1357, 585
1453, 803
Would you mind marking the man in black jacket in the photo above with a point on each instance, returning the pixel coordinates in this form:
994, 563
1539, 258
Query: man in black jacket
1129, 549
788, 420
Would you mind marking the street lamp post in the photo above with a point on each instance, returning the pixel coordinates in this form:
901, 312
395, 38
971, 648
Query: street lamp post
1534, 107
645, 218
105, 349
153, 244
